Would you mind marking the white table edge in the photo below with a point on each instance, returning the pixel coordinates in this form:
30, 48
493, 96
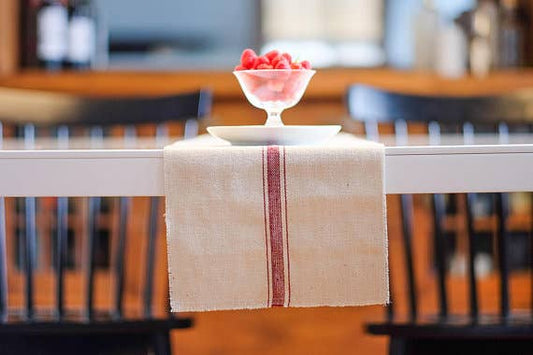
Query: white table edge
139, 172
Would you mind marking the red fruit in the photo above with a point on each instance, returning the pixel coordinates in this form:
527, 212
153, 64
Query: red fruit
260, 60
296, 66
282, 64
248, 57
248, 52
240, 67
271, 55
288, 57
264, 66
263, 93
305, 64
291, 86
275, 85
276, 60
251, 82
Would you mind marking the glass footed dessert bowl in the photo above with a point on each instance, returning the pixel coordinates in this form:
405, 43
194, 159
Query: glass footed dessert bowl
274, 91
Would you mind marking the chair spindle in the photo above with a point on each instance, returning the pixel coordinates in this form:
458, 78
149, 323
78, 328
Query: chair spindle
502, 207
502, 235
161, 135
96, 139
191, 128
406, 208
150, 255
124, 209
439, 210
472, 282
372, 130
61, 233
30, 231
468, 138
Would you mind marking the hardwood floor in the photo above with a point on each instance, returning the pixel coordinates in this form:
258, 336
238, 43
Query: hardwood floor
282, 331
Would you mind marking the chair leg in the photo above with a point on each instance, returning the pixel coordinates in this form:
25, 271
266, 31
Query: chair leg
161, 343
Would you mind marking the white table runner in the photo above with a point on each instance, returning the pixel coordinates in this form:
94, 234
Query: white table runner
257, 227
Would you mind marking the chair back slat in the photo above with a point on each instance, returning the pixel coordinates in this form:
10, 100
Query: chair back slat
61, 233
124, 209
124, 205
502, 236
61, 253
161, 135
150, 256
92, 221
472, 281
468, 133
191, 129
96, 138
439, 208
406, 209
401, 134
371, 130
30, 231
503, 133
439, 243
468, 138
30, 253
434, 133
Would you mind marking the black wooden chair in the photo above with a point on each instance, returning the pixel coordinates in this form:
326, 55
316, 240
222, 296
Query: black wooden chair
84, 328
510, 331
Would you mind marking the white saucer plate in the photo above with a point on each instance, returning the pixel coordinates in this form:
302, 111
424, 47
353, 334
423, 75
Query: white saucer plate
270, 135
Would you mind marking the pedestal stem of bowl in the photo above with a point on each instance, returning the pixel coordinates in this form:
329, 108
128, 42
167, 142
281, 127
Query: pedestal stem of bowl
274, 119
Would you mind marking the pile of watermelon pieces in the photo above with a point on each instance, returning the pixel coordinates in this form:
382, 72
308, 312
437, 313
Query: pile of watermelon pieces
271, 60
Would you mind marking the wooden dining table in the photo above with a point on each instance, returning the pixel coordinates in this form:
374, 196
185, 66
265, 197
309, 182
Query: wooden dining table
115, 167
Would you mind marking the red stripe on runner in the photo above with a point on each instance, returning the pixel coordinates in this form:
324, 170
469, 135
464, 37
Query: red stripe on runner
266, 232
287, 228
276, 225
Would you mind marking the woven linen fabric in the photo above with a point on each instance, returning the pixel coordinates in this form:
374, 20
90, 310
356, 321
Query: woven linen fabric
291, 226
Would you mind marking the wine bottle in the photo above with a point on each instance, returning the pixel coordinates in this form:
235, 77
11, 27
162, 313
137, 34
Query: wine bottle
52, 31
512, 35
82, 34
28, 33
